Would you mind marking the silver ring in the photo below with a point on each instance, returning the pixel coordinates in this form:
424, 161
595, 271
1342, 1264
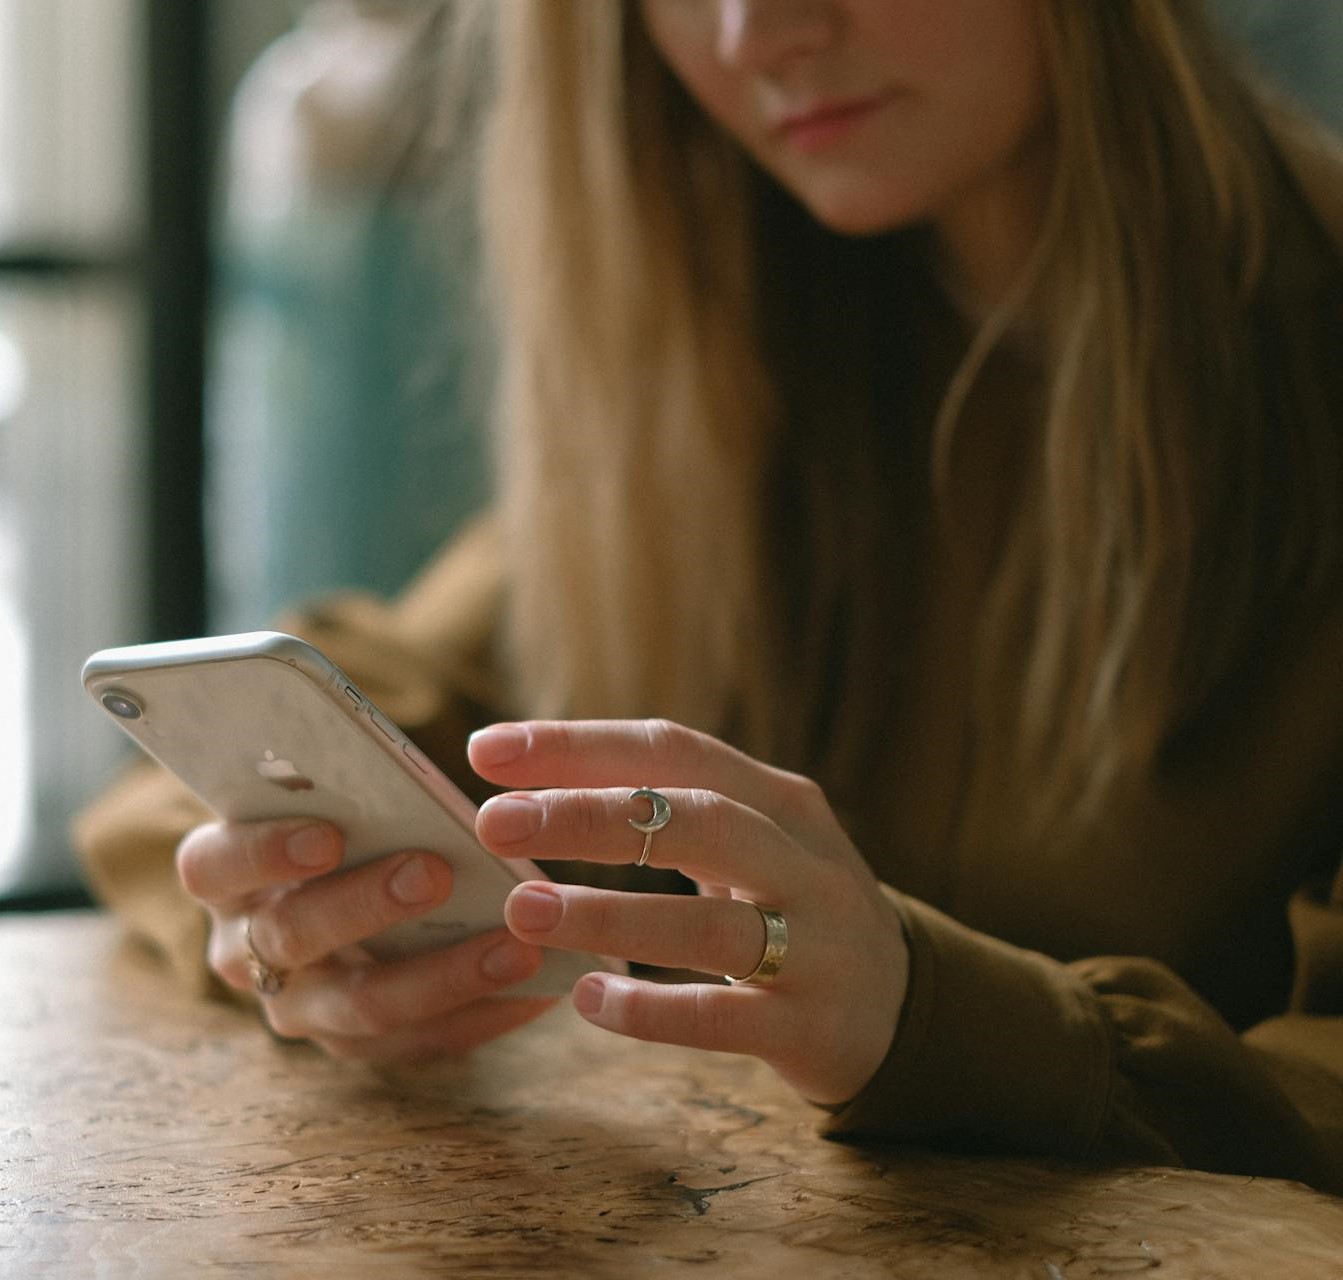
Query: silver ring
658, 819
771, 959
266, 980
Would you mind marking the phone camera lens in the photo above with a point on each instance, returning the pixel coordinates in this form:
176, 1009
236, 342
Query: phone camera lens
120, 704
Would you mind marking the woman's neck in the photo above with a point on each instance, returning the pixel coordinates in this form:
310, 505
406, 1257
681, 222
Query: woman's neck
985, 236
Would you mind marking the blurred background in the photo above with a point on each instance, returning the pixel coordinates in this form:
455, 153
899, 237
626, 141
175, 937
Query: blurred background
237, 360
230, 355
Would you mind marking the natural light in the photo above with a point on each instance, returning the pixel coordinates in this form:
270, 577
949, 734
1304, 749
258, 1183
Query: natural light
14, 755
14, 762
70, 503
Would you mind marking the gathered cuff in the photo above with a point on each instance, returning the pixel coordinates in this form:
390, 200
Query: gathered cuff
997, 1049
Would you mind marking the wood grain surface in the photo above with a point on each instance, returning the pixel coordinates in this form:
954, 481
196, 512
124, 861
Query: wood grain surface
143, 1132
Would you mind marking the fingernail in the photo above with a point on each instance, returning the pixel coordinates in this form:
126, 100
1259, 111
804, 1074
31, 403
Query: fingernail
412, 883
499, 744
535, 908
309, 847
509, 819
589, 992
510, 961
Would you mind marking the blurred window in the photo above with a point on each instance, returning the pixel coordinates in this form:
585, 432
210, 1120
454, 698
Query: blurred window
72, 489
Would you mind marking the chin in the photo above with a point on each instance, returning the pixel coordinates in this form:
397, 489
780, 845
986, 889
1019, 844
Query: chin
849, 214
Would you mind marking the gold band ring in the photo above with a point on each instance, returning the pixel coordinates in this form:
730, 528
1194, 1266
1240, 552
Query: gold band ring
265, 979
658, 819
776, 948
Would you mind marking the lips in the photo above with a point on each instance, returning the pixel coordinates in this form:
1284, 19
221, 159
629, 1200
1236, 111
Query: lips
822, 123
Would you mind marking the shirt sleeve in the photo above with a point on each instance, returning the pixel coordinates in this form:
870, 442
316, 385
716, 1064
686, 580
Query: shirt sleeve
1110, 1059
1116, 1058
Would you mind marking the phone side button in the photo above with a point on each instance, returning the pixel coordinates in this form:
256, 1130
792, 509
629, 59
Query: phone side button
352, 696
417, 758
384, 725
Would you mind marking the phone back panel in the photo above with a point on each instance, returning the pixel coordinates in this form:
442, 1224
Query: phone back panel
262, 726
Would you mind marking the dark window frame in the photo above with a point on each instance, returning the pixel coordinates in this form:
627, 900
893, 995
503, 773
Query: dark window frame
169, 270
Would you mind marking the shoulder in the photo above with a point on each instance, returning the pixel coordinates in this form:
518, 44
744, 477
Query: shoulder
436, 642
456, 600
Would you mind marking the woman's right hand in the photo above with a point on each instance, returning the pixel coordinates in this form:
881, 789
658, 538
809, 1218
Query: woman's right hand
308, 921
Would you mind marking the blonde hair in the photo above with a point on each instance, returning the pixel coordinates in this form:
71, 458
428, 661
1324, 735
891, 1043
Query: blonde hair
630, 409
1187, 474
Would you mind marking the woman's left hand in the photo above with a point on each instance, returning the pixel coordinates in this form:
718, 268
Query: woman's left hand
747, 833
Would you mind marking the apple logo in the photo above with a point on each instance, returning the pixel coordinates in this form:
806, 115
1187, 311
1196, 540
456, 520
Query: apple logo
282, 773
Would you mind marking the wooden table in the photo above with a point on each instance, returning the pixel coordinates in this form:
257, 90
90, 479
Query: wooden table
144, 1132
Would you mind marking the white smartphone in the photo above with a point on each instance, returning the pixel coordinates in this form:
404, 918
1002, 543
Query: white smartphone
262, 725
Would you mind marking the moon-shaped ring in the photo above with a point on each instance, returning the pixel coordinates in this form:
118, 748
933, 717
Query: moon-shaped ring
658, 819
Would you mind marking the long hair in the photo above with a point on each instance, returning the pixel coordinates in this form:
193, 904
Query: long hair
1189, 477
631, 417
1184, 481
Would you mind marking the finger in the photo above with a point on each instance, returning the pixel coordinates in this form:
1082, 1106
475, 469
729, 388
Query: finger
698, 1015
716, 935
629, 753
222, 862
314, 920
378, 999
447, 1036
708, 836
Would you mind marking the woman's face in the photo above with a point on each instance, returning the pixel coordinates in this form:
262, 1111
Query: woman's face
873, 113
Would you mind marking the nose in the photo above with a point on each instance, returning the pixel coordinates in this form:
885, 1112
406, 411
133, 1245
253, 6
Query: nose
763, 35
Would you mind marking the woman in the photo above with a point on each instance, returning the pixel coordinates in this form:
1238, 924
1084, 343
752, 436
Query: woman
938, 401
